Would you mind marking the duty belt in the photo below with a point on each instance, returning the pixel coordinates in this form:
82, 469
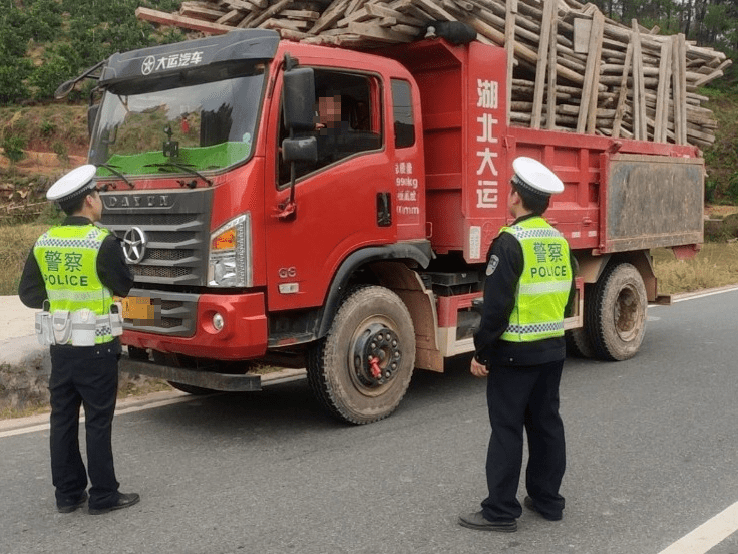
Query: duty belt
78, 328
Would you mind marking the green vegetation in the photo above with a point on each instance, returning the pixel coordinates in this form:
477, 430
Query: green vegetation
45, 42
721, 159
15, 244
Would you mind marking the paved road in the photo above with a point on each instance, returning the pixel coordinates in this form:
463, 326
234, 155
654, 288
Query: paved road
652, 456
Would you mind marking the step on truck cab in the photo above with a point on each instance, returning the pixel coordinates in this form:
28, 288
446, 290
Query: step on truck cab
352, 242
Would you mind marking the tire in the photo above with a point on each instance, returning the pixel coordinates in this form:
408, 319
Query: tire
178, 360
362, 368
579, 343
616, 313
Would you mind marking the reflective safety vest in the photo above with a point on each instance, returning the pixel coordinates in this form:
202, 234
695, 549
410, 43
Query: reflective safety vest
544, 285
67, 258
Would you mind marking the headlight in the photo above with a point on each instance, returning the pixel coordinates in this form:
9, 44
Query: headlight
231, 263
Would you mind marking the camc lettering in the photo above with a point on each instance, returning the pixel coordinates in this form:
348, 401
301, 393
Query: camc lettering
70, 280
549, 271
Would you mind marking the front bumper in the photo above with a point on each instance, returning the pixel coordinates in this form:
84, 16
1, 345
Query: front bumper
243, 336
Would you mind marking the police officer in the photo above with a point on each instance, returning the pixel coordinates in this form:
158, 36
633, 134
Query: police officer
73, 272
520, 348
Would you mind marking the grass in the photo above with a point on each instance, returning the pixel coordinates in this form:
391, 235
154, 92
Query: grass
16, 242
716, 265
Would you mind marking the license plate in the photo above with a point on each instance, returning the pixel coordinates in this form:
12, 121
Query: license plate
139, 309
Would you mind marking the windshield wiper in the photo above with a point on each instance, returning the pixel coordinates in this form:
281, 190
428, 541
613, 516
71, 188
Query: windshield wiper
116, 173
182, 167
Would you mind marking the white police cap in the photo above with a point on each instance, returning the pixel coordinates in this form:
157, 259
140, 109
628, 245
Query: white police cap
534, 177
74, 184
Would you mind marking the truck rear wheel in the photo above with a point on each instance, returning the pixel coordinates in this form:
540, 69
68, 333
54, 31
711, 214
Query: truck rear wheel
361, 369
579, 343
616, 313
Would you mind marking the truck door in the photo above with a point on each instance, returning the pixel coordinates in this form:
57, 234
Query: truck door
343, 200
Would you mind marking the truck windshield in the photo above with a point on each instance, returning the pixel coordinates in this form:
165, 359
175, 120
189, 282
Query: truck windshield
157, 127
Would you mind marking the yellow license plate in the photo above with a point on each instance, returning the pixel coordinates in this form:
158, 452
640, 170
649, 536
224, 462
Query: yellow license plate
139, 308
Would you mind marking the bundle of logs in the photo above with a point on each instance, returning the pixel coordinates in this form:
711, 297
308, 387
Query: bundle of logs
571, 68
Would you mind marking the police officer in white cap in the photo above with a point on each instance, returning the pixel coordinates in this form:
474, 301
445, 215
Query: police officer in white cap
520, 349
72, 273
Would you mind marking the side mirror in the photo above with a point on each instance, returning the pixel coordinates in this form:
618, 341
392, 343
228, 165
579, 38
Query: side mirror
299, 99
300, 150
64, 89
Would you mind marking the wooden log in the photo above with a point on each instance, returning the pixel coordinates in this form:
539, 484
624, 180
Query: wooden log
541, 72
231, 19
332, 13
282, 23
623, 94
591, 76
551, 95
305, 15
662, 94
270, 11
511, 8
198, 11
354, 5
640, 129
380, 34
677, 73
289, 34
163, 18
381, 10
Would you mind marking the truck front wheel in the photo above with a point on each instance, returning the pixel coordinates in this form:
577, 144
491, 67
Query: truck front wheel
616, 313
361, 369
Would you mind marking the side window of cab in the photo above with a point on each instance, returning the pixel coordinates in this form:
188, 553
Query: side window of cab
402, 107
348, 121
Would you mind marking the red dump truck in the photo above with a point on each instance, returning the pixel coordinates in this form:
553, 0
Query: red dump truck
356, 249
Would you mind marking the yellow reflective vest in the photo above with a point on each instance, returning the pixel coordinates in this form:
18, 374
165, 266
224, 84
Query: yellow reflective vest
544, 285
67, 258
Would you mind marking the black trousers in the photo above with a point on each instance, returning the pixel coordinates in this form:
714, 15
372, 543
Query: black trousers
83, 375
524, 398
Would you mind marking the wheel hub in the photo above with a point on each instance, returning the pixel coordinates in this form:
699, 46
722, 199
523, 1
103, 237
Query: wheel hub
376, 355
627, 314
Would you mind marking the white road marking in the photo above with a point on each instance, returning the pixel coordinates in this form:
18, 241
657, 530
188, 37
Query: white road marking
694, 296
707, 535
137, 408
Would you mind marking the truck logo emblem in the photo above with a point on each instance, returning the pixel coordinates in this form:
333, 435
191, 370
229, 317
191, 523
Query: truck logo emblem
148, 65
119, 201
134, 245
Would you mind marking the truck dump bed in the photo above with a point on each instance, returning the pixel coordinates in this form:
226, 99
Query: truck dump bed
621, 195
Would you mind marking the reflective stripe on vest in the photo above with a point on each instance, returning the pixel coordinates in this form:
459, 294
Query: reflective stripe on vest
67, 258
544, 285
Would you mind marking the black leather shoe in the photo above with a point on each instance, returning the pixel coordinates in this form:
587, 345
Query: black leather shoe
124, 501
475, 520
72, 507
528, 503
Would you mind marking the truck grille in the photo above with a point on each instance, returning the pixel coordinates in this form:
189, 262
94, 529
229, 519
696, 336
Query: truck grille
176, 227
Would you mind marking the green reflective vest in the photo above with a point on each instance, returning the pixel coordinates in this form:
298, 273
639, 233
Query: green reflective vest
67, 258
544, 285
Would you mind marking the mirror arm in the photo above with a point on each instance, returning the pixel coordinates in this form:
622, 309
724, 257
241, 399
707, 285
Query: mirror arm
287, 211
